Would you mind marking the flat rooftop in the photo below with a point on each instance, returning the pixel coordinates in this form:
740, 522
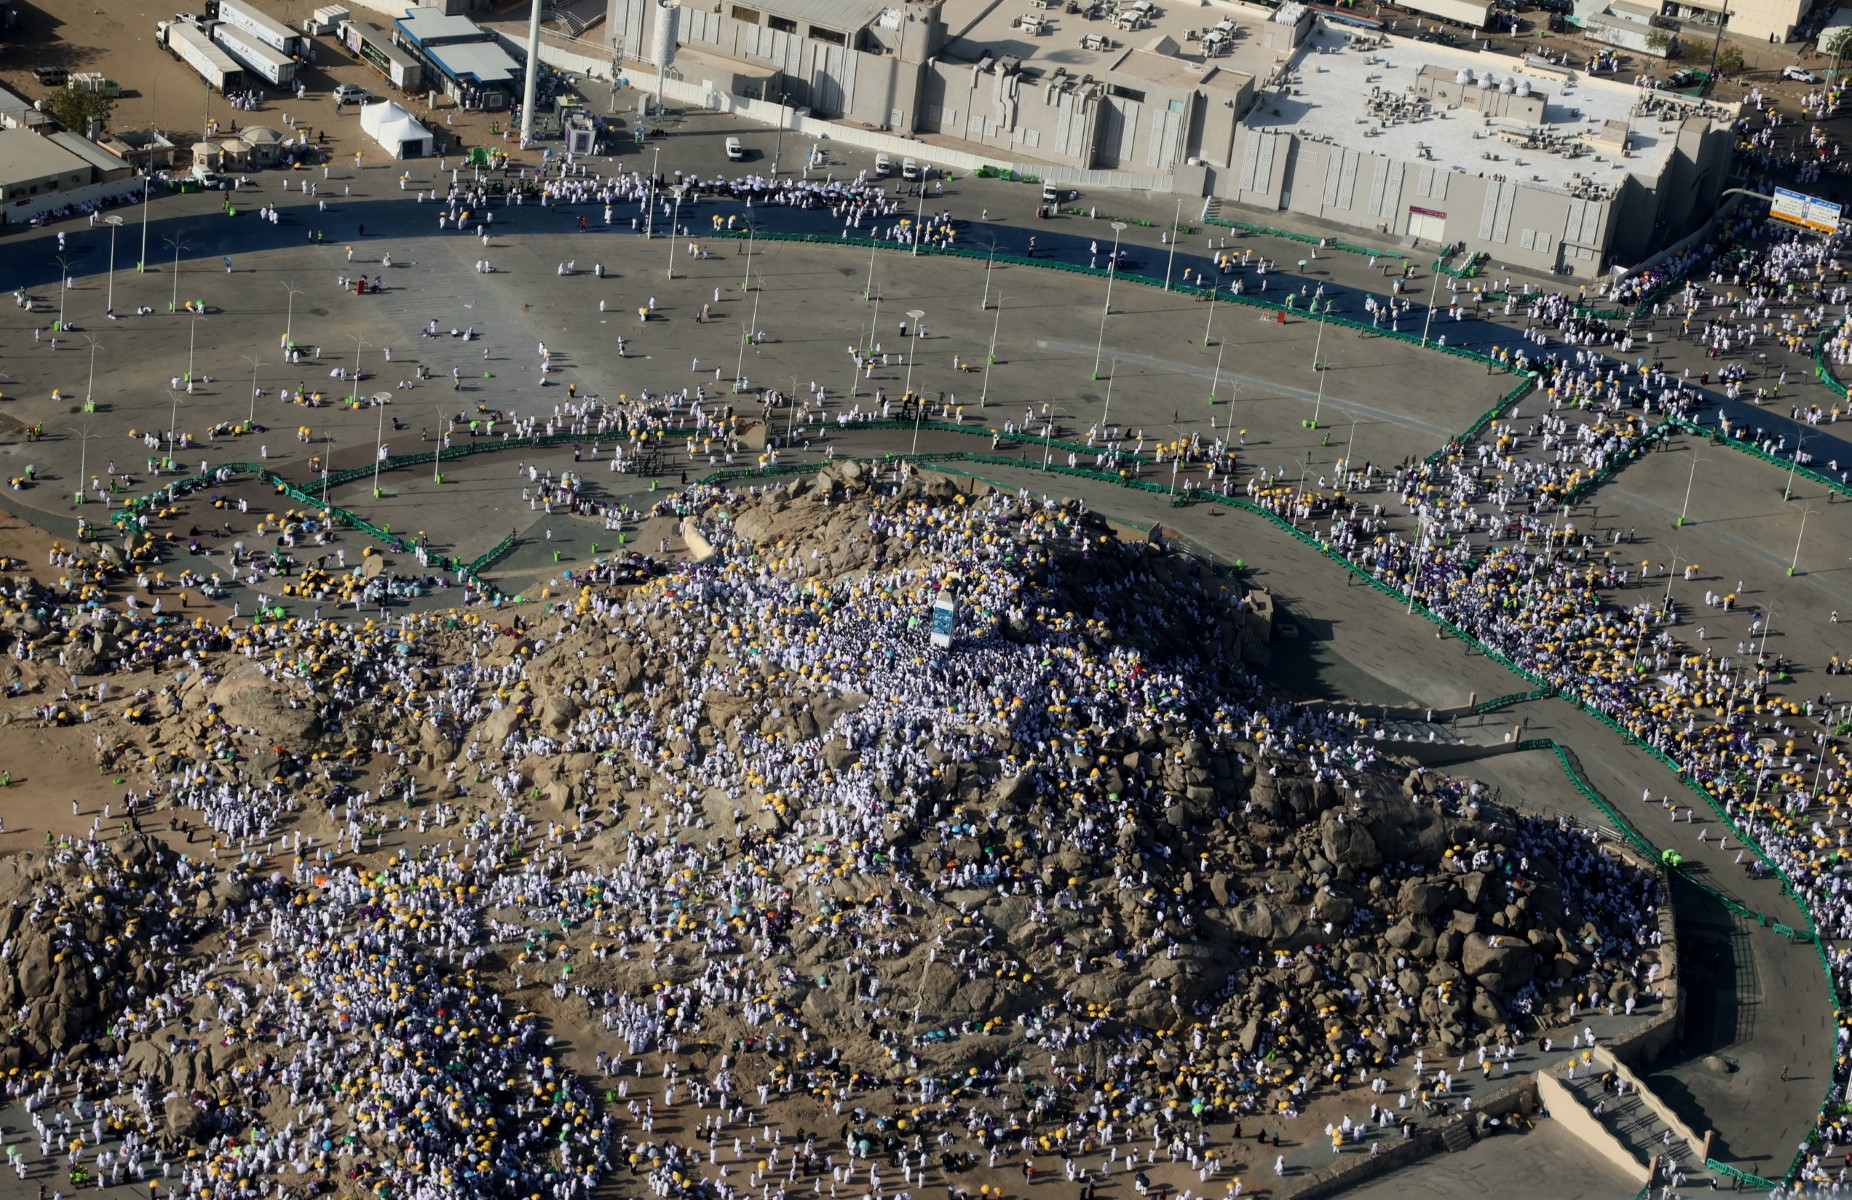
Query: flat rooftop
485, 62
27, 156
1331, 81
428, 26
974, 27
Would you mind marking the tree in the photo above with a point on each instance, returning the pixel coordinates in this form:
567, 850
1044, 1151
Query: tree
1838, 44
1658, 40
74, 108
1729, 60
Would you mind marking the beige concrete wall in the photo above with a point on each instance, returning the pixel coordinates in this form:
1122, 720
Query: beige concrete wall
1587, 1128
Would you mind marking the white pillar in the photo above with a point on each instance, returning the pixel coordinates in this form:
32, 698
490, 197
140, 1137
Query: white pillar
533, 74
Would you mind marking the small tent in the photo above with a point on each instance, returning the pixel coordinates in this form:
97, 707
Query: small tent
396, 130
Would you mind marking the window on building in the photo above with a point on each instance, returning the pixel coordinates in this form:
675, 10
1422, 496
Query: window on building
749, 15
834, 38
1176, 106
1125, 93
782, 24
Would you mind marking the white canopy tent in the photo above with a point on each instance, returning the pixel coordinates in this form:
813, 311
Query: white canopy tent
396, 130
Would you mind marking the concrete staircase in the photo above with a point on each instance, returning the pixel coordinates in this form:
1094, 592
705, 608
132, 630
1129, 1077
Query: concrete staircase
1457, 1134
1640, 1130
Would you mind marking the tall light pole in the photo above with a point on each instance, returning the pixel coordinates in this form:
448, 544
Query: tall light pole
64, 285
919, 219
1215, 385
991, 358
1795, 564
1209, 325
289, 315
1318, 343
354, 393
255, 362
147, 183
178, 246
751, 233
779, 144
989, 262
379, 440
1106, 412
191, 340
1433, 291
675, 227
649, 217
1787, 491
868, 289
1319, 403
1172, 260
109, 304
437, 452
1690, 479
90, 388
913, 315
83, 458
1112, 270
173, 419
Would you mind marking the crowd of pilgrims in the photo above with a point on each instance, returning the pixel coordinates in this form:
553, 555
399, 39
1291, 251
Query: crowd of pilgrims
381, 1051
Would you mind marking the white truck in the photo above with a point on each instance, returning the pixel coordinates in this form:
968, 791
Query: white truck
192, 46
1474, 14
248, 18
264, 61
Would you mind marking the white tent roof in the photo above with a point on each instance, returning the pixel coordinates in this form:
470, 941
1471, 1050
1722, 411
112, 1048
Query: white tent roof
392, 127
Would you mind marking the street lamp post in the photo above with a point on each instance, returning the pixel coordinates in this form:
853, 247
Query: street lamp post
1112, 271
1209, 325
649, 218
778, 144
255, 362
354, 391
289, 316
178, 246
680, 190
109, 304
1690, 479
90, 388
191, 341
1787, 492
147, 183
64, 282
1172, 260
379, 441
1106, 412
989, 262
1215, 387
1318, 404
1796, 562
83, 457
437, 451
1318, 343
173, 419
919, 218
1433, 291
868, 289
913, 315
991, 358
752, 232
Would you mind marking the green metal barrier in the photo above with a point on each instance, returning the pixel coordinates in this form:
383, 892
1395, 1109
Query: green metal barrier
1741, 1178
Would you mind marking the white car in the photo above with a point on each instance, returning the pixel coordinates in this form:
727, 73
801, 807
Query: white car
351, 93
1799, 75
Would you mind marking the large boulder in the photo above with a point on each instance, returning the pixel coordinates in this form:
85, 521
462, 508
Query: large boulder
1509, 958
